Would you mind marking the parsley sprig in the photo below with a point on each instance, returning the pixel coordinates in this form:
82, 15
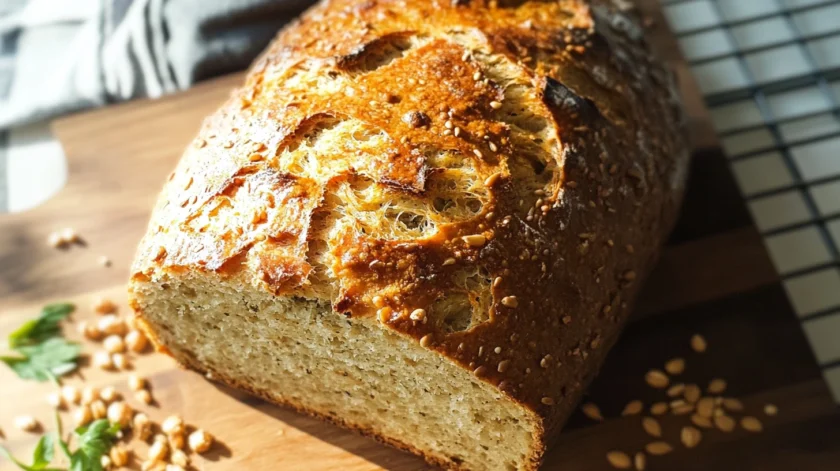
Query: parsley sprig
42, 353
94, 441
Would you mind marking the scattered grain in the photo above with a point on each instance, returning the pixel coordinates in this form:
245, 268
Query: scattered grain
690, 436
143, 396
657, 379
659, 408
176, 441
179, 458
733, 405
418, 315
475, 240
771, 409
200, 441
640, 460
71, 394
158, 451
109, 324
89, 330
751, 424
108, 394
706, 407
547, 401
701, 421
692, 393
724, 423
26, 423
98, 409
619, 459
119, 455
114, 344
82, 416
120, 413
510, 301
632, 408
104, 306
592, 411
676, 390
90, 394
172, 424
716, 386
651, 426
142, 426
136, 382
675, 366
698, 343
55, 400
658, 448
120, 361
136, 341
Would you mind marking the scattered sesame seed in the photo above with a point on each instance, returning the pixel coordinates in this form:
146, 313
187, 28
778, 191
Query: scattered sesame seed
476, 240
659, 408
724, 423
651, 426
426, 340
657, 379
701, 421
510, 301
477, 153
716, 386
495, 105
503, 366
675, 366
732, 404
546, 361
640, 461
592, 411
751, 424
384, 314
698, 343
418, 315
706, 407
547, 401
771, 409
26, 423
676, 390
632, 408
449, 261
692, 393
690, 436
477, 76
619, 459
658, 448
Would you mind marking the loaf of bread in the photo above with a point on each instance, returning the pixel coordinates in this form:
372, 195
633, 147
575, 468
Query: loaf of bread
425, 220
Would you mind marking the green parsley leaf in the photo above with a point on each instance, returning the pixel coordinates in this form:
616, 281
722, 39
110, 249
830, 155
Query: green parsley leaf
41, 456
44, 452
44, 361
42, 328
95, 440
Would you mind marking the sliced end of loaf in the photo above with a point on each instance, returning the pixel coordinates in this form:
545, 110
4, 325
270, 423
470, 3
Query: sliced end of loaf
354, 372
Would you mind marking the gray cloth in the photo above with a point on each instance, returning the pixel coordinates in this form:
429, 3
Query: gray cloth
58, 56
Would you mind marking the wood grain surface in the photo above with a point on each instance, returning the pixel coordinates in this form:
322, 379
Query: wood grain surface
714, 278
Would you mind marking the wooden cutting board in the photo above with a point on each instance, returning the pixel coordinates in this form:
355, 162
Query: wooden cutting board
714, 278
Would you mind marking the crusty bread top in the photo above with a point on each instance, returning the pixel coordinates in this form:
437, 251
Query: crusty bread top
508, 167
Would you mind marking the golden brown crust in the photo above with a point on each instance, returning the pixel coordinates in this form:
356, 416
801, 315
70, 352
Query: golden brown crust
571, 128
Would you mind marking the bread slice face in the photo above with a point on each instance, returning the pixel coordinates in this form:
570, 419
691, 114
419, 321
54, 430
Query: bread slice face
444, 208
299, 352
